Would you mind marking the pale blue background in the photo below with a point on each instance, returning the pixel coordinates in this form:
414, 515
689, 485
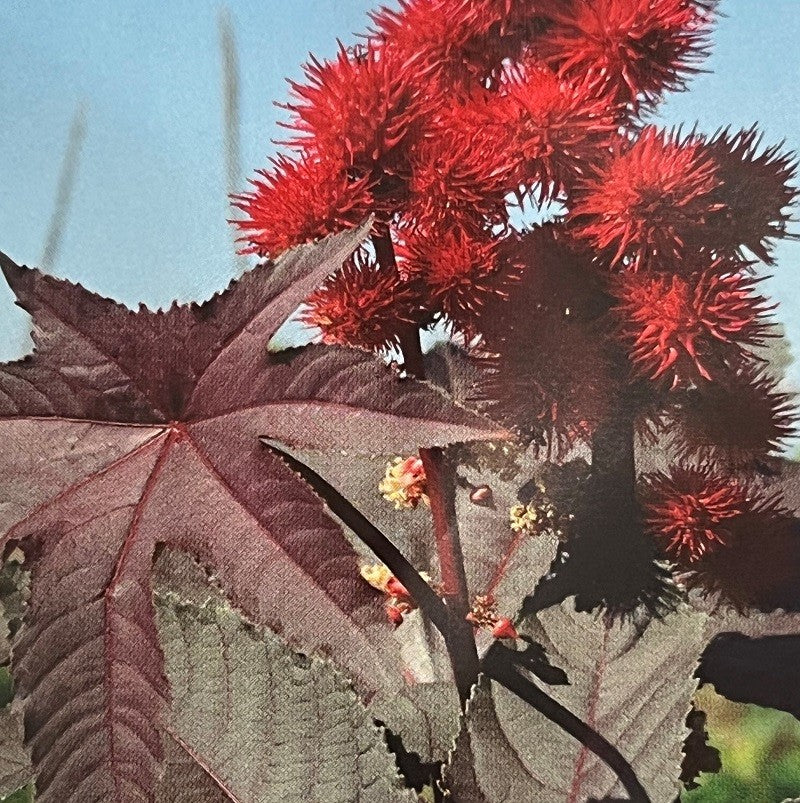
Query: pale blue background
148, 217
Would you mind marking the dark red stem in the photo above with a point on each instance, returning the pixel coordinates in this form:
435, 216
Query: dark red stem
441, 488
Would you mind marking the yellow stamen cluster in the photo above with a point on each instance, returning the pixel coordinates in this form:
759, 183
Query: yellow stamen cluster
539, 516
380, 577
377, 575
483, 612
404, 484
398, 601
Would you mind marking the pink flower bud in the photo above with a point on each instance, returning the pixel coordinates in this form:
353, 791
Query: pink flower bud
481, 495
395, 615
395, 588
504, 628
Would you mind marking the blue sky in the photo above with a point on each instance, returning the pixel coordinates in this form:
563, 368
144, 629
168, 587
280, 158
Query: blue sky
148, 216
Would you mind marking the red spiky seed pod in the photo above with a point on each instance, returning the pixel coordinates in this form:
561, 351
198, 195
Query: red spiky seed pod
680, 330
463, 168
689, 510
639, 47
360, 107
545, 370
299, 201
364, 305
460, 271
446, 41
754, 191
555, 126
758, 568
647, 201
738, 421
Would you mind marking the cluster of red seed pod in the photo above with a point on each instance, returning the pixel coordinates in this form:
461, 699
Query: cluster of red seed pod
454, 112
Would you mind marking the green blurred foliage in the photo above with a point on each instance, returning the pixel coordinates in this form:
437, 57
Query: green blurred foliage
20, 796
760, 751
6, 687
6, 694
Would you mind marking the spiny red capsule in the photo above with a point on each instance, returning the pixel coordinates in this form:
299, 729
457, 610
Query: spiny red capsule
644, 204
684, 329
299, 201
361, 105
364, 305
460, 270
543, 362
557, 127
690, 510
640, 48
445, 41
754, 192
738, 420
463, 168
759, 567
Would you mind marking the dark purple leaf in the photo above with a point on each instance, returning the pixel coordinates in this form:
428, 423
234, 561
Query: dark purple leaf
129, 429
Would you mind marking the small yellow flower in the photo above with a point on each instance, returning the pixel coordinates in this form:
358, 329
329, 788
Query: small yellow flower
539, 516
404, 484
377, 575
523, 517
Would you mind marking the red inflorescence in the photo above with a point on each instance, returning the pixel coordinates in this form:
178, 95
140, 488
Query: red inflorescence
639, 47
300, 201
463, 168
448, 42
736, 421
690, 509
646, 202
454, 109
459, 269
546, 370
359, 107
364, 305
556, 127
686, 329
754, 191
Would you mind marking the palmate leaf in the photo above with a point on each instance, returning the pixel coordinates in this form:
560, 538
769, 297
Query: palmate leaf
632, 688
238, 694
631, 682
127, 429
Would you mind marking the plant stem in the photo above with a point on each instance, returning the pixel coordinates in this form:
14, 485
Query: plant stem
614, 461
441, 488
610, 562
